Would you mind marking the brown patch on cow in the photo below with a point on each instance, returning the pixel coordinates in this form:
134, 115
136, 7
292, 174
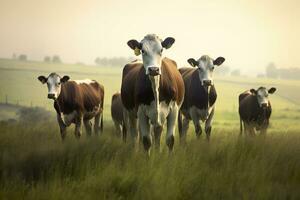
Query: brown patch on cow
117, 108
80, 97
136, 86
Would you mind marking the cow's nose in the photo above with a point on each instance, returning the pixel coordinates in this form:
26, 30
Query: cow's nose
51, 96
206, 82
264, 105
153, 71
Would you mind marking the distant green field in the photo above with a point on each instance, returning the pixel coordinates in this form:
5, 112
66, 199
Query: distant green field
18, 80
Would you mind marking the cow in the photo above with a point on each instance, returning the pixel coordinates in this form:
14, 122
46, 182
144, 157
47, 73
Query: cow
152, 91
74, 101
117, 114
255, 110
200, 95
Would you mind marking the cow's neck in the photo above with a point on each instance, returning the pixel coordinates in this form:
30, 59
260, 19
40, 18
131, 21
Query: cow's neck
155, 80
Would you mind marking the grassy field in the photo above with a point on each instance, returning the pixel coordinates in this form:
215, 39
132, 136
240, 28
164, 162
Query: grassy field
35, 164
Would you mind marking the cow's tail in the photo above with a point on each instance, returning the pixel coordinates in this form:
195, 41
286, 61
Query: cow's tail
101, 123
180, 123
124, 132
101, 120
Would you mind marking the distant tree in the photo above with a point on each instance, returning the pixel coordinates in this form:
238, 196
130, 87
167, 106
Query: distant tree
112, 62
97, 61
22, 57
260, 75
289, 73
80, 63
236, 72
47, 59
56, 59
272, 71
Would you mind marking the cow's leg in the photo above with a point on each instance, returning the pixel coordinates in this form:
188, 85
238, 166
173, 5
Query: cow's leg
62, 127
118, 127
185, 127
198, 129
157, 130
88, 126
171, 125
208, 123
196, 122
97, 123
78, 120
130, 121
144, 127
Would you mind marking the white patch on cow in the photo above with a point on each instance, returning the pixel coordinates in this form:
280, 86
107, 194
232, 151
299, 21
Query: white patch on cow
86, 81
173, 109
155, 88
54, 85
205, 69
69, 118
156, 117
262, 96
200, 114
151, 52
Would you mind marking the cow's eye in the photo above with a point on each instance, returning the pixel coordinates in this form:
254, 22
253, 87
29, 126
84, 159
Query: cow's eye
143, 52
213, 68
58, 83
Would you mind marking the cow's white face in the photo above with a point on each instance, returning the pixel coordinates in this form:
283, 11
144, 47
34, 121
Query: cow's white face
151, 48
262, 95
54, 82
206, 67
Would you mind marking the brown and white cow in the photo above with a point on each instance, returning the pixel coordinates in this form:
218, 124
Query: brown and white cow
200, 95
75, 101
117, 113
152, 91
255, 110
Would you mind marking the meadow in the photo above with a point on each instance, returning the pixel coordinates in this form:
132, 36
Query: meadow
35, 164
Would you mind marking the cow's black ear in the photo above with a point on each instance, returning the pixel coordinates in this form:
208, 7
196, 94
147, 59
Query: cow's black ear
168, 42
192, 62
219, 61
253, 91
133, 44
64, 79
43, 79
271, 90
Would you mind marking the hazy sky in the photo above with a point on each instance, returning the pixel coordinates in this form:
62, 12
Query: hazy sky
249, 34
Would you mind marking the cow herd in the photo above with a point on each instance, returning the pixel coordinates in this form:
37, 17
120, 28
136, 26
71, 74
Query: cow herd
155, 93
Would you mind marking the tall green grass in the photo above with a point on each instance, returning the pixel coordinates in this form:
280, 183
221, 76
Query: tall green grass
35, 164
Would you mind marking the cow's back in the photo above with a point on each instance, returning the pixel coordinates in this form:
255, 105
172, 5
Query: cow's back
117, 108
81, 96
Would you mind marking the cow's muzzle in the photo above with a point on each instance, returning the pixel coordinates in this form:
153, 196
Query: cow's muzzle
264, 105
51, 96
207, 82
153, 71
